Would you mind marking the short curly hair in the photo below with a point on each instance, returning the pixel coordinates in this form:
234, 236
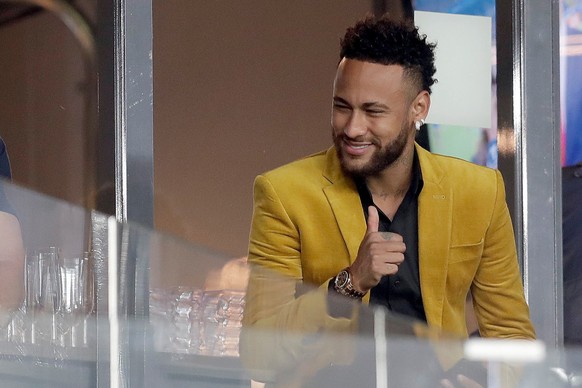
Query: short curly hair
389, 42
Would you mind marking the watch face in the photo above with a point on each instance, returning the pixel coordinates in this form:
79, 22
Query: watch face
342, 279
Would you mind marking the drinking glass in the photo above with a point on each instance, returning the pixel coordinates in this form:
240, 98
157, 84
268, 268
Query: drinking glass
175, 314
87, 329
49, 299
185, 319
70, 311
22, 328
223, 312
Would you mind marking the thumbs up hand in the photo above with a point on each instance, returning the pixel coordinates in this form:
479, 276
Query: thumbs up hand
380, 254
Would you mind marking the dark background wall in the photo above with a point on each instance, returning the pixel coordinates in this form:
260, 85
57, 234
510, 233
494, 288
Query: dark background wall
240, 87
41, 105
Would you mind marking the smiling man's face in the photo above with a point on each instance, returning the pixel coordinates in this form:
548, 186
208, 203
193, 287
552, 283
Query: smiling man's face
372, 119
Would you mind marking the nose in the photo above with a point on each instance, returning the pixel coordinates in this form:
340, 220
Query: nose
356, 125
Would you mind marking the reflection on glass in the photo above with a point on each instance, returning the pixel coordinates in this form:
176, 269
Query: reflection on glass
193, 321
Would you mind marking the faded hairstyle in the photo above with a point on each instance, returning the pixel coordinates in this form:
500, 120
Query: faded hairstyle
390, 42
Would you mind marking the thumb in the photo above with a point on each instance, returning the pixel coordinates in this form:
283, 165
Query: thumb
373, 220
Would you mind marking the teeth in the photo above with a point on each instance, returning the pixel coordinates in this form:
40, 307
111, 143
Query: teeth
359, 147
355, 145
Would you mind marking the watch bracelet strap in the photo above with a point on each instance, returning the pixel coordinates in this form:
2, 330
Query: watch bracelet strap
350, 293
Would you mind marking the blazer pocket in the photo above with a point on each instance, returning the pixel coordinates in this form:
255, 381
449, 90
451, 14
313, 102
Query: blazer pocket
465, 252
463, 263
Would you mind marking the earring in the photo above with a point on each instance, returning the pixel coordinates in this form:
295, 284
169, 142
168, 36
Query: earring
418, 124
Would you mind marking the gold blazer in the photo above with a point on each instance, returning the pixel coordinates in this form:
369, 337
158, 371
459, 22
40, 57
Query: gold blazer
308, 224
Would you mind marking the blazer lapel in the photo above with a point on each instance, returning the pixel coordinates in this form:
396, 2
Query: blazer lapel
345, 204
434, 231
434, 225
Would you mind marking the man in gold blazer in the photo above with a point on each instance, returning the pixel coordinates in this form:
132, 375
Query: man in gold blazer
308, 225
377, 207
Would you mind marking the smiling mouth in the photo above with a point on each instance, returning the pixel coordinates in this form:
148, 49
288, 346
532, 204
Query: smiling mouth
359, 147
355, 148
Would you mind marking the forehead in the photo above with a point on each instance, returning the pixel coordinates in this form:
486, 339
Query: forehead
369, 80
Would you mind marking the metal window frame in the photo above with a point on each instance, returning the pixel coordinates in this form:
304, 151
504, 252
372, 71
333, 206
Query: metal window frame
528, 139
125, 178
125, 51
528, 108
528, 100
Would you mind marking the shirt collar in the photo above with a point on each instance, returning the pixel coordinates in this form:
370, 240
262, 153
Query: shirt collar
415, 188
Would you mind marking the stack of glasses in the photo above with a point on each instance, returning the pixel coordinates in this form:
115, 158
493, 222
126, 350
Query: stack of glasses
194, 321
59, 301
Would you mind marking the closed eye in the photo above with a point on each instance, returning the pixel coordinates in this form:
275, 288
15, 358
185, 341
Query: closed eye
375, 111
339, 106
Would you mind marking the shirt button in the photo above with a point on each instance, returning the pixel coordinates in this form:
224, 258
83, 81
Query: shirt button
397, 283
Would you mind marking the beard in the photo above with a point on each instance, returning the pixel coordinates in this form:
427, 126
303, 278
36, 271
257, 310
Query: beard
380, 159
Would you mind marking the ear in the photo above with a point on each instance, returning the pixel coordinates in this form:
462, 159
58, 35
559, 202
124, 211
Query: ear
420, 106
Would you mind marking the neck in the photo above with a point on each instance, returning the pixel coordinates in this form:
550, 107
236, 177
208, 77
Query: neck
395, 180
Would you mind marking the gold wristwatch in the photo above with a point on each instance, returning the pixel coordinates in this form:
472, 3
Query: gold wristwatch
343, 285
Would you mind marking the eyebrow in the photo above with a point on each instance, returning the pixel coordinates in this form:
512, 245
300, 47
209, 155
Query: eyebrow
366, 105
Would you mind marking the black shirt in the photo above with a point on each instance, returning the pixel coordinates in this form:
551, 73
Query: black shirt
400, 292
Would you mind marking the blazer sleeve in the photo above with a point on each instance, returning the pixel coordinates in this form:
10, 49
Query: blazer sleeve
280, 328
497, 288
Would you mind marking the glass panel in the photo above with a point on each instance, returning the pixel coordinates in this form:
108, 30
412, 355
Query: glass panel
181, 315
48, 334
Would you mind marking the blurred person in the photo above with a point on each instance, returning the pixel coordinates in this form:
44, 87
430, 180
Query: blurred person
376, 218
11, 246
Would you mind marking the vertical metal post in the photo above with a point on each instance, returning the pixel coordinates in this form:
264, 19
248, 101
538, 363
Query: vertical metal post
105, 181
134, 111
125, 174
529, 150
106, 107
100, 250
125, 169
133, 168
